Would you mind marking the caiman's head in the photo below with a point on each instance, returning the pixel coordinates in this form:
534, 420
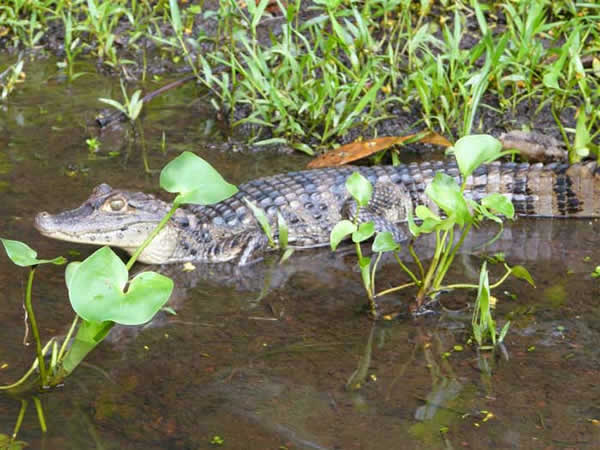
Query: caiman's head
117, 218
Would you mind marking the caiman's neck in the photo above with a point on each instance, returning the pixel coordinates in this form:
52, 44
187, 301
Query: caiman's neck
161, 250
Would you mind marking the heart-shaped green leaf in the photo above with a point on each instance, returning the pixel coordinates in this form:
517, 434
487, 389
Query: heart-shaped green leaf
384, 242
360, 188
96, 290
23, 255
447, 195
429, 221
195, 180
364, 232
500, 204
472, 151
341, 231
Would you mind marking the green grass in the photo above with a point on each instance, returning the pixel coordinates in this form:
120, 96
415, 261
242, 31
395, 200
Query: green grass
334, 68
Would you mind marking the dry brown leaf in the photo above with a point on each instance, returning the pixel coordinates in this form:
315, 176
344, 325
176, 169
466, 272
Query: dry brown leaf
361, 149
272, 6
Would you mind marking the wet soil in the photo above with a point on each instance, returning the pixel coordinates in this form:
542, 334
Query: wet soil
283, 356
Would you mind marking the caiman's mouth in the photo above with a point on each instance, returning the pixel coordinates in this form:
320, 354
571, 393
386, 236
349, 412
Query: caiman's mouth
49, 226
45, 224
127, 237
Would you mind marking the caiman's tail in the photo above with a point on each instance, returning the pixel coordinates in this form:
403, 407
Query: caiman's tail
544, 190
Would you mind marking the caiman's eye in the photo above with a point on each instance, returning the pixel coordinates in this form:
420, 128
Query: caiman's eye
117, 204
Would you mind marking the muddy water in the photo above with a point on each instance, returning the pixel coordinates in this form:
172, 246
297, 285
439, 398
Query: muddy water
283, 356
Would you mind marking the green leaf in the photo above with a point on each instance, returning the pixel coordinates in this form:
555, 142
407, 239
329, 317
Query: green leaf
447, 195
341, 231
472, 151
9, 443
175, 17
477, 334
303, 148
424, 213
364, 232
195, 180
482, 321
503, 331
271, 141
582, 137
359, 188
96, 290
365, 265
550, 79
261, 217
283, 231
23, 255
430, 221
286, 255
89, 335
384, 242
258, 11
522, 273
500, 204
135, 105
115, 104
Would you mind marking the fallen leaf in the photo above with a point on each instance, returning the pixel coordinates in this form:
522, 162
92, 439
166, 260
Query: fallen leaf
361, 149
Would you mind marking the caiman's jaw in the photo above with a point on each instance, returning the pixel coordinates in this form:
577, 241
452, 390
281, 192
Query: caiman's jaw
116, 218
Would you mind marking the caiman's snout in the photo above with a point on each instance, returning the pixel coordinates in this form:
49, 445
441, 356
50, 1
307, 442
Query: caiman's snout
41, 221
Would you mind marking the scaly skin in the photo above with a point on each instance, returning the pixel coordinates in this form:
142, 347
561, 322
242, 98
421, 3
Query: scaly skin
311, 202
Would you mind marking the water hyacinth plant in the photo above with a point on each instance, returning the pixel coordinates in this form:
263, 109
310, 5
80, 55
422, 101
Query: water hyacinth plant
100, 289
458, 215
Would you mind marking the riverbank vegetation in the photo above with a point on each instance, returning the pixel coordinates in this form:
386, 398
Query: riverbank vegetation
308, 75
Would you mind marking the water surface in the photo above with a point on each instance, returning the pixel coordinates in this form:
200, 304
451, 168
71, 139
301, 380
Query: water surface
282, 356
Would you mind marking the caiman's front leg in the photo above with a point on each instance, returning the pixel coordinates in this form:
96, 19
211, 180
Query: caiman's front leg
244, 246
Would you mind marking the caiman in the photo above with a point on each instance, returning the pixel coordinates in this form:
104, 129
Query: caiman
311, 202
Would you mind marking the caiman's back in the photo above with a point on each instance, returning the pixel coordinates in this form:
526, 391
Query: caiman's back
312, 202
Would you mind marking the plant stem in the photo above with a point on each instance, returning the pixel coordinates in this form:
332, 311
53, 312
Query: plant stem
446, 250
373, 270
34, 327
474, 286
394, 289
501, 280
40, 413
151, 236
456, 286
24, 378
20, 418
358, 251
450, 258
407, 270
412, 252
432, 268
63, 347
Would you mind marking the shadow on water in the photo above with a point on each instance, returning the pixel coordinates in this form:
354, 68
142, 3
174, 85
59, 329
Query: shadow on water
284, 356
